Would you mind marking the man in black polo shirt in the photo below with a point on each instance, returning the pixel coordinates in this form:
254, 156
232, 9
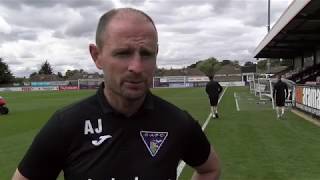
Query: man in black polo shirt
213, 89
123, 132
280, 93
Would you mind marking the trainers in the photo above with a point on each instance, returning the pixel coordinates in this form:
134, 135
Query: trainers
213, 116
216, 115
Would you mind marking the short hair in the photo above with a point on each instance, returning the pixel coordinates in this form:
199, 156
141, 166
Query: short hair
108, 16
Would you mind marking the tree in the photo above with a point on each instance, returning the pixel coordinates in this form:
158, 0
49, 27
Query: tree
45, 68
209, 66
248, 63
225, 62
60, 75
33, 74
194, 65
70, 73
5, 74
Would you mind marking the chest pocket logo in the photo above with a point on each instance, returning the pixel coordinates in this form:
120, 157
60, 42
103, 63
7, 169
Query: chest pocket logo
101, 140
88, 129
153, 140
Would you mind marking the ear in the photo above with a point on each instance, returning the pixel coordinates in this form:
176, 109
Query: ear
157, 49
95, 53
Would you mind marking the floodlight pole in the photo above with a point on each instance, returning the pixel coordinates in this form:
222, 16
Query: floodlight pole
268, 27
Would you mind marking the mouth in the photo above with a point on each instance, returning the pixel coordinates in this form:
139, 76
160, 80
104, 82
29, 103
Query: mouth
134, 84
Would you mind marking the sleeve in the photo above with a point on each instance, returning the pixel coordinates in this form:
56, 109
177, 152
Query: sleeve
44, 158
207, 88
196, 146
220, 88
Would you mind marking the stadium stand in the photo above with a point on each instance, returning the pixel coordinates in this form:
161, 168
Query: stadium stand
296, 36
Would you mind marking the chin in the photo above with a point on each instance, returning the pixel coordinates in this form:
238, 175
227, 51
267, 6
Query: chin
135, 95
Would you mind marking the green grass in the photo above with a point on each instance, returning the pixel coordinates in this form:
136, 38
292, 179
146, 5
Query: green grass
28, 112
251, 143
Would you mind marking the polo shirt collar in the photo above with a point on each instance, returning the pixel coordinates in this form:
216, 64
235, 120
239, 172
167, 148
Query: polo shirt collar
148, 103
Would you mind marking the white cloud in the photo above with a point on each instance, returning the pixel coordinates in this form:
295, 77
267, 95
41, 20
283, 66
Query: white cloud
4, 26
32, 31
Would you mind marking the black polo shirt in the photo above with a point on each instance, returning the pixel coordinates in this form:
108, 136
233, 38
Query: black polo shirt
91, 141
213, 89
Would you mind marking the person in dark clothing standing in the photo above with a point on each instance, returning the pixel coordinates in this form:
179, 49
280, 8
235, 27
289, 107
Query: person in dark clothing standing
280, 94
213, 89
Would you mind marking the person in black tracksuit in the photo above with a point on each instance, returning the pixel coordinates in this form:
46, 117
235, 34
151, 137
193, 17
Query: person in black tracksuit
213, 89
280, 94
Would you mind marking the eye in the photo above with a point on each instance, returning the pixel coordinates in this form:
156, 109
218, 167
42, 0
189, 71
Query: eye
122, 53
147, 54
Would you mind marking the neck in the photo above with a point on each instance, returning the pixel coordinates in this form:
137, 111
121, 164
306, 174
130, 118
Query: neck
121, 104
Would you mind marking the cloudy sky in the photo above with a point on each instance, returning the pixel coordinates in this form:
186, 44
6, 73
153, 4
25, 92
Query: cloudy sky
32, 31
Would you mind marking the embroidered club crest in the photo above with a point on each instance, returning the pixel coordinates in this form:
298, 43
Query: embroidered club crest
153, 140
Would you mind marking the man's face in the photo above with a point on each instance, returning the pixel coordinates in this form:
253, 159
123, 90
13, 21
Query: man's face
128, 56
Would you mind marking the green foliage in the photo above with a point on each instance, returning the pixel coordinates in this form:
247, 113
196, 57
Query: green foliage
194, 65
46, 68
248, 63
209, 66
70, 73
5, 74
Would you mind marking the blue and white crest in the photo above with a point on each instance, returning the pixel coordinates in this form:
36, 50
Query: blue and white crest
153, 140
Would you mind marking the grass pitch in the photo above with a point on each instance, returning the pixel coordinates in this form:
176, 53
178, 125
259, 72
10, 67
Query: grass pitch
251, 142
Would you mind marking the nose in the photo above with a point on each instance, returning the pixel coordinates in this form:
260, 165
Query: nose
136, 64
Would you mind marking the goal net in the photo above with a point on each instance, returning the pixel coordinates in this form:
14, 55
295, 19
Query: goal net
263, 88
252, 86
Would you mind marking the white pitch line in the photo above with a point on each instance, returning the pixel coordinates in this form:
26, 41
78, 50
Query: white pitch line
182, 164
235, 98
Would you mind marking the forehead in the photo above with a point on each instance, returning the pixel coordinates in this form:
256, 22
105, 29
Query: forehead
131, 15
130, 24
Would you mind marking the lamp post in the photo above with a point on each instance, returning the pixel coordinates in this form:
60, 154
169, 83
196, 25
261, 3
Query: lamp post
268, 28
